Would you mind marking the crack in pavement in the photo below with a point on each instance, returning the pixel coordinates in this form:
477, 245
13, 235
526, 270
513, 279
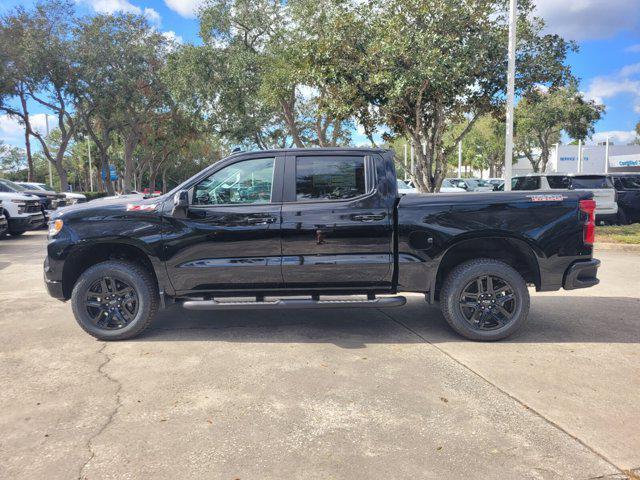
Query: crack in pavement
625, 473
110, 417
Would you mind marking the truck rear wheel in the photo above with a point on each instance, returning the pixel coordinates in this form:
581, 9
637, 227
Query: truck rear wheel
115, 300
485, 300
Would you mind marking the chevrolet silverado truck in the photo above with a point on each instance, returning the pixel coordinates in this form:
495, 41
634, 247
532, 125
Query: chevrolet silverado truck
317, 228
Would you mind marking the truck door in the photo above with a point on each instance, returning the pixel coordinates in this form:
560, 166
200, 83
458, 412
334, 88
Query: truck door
336, 226
229, 237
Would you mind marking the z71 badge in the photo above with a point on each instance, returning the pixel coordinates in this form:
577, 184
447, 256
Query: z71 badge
547, 198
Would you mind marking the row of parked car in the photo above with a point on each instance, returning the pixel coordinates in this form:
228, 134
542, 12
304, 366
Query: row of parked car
617, 195
27, 205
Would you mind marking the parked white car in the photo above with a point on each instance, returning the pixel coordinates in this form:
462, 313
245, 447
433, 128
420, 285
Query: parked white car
22, 212
71, 197
446, 187
470, 184
601, 185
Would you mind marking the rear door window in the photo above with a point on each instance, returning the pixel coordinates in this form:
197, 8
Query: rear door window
329, 178
525, 183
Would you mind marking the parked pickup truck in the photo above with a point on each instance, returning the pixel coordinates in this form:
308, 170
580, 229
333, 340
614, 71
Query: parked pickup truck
327, 225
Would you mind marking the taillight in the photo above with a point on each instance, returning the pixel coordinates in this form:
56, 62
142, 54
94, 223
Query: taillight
589, 226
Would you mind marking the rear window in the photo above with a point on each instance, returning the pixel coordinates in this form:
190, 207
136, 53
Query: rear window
525, 183
558, 182
630, 183
591, 182
326, 178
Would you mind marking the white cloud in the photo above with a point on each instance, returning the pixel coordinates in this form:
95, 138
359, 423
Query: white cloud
624, 81
153, 16
618, 137
185, 8
12, 131
633, 48
589, 19
111, 6
172, 36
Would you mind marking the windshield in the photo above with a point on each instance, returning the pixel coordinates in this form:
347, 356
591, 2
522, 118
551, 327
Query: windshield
44, 186
471, 182
402, 184
591, 182
13, 186
483, 183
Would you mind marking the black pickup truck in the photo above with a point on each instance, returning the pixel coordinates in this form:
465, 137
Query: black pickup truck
257, 229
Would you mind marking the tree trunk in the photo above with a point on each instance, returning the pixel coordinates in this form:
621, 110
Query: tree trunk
164, 180
288, 109
130, 144
27, 141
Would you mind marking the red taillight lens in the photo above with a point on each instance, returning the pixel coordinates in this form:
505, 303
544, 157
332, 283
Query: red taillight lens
589, 227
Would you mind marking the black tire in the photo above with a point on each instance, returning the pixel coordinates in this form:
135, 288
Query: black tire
497, 312
622, 217
110, 320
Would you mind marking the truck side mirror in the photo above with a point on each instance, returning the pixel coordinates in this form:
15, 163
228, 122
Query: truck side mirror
180, 203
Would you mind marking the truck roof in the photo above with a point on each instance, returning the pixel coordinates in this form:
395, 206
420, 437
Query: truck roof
316, 149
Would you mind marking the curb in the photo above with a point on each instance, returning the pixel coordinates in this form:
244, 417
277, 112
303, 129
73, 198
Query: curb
617, 247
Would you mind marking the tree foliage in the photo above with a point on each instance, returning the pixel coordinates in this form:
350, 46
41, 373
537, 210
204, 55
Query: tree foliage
542, 115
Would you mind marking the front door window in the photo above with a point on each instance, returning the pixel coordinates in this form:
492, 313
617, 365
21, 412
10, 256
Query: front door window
248, 182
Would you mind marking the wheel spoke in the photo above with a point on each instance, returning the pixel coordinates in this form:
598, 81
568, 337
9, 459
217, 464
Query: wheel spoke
504, 312
480, 285
490, 284
504, 299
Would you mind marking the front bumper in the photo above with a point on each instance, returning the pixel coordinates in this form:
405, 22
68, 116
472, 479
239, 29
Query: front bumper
54, 286
581, 274
21, 224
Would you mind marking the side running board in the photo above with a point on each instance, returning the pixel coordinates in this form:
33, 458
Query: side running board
293, 303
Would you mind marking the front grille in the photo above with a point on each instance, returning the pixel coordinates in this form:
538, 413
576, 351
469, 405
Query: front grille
32, 206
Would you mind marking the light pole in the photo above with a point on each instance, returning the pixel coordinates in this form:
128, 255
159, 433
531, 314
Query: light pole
46, 122
606, 156
460, 159
511, 72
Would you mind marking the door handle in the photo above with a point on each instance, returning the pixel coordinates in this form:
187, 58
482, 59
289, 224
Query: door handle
261, 220
369, 217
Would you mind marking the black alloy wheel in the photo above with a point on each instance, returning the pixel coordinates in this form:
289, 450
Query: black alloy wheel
488, 302
111, 303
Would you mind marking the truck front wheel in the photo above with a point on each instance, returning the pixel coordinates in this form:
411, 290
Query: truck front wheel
115, 300
485, 300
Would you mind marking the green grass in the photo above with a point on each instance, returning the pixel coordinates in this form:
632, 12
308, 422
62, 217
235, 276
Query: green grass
629, 234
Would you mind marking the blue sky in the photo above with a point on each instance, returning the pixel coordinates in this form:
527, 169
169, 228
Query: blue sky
607, 31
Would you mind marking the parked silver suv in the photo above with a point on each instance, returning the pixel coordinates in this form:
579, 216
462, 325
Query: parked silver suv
600, 184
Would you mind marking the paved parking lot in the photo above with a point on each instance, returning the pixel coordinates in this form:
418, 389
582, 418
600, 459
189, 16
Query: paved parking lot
351, 394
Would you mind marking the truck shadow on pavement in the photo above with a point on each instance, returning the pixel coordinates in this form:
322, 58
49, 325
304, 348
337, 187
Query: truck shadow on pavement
551, 320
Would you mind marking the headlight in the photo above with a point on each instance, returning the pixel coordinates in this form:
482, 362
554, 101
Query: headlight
21, 203
55, 227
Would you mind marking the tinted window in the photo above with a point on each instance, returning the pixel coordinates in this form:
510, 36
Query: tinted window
630, 183
591, 182
525, 183
327, 178
558, 182
241, 183
13, 187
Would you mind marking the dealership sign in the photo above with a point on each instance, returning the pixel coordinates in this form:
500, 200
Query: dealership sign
624, 161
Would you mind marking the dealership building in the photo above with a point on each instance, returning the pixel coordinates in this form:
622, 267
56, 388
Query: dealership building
565, 159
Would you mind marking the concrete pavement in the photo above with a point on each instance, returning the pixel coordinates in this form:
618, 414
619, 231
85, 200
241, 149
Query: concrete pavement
311, 394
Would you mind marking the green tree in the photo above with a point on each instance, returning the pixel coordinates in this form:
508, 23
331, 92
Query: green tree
119, 57
44, 72
420, 66
541, 117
